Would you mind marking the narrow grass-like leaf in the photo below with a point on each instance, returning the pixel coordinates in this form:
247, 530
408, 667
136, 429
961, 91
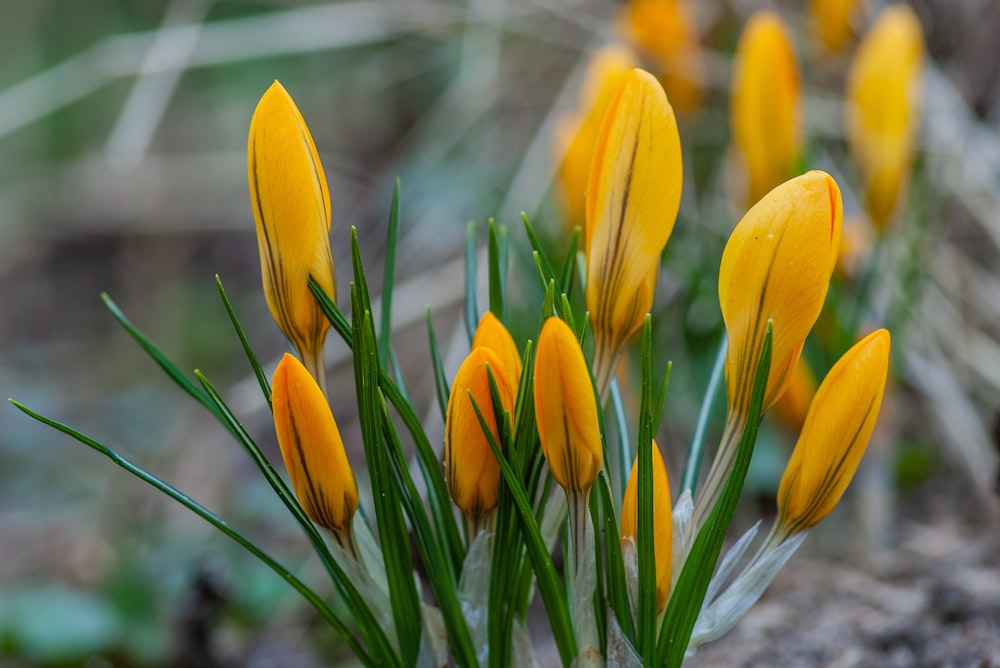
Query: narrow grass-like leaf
614, 563
692, 584
371, 629
646, 613
545, 269
566, 275
553, 595
471, 307
496, 272
159, 357
443, 583
697, 446
389, 280
440, 379
265, 386
325, 611
619, 466
661, 398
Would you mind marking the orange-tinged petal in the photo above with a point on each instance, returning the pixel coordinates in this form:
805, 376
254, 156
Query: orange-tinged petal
291, 206
777, 265
667, 32
632, 202
833, 22
791, 408
566, 408
766, 111
471, 470
312, 448
576, 135
836, 432
855, 245
490, 333
883, 99
663, 525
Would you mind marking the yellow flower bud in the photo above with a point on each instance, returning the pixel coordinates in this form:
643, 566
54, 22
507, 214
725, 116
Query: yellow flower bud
576, 135
471, 471
766, 111
777, 265
566, 408
855, 245
667, 32
833, 22
632, 202
790, 409
490, 333
312, 449
291, 206
836, 432
883, 98
663, 524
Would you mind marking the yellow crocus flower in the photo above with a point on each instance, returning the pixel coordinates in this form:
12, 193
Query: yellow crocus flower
632, 202
663, 525
766, 106
576, 135
836, 432
291, 206
491, 333
833, 22
566, 408
667, 32
791, 407
313, 450
777, 266
471, 470
883, 99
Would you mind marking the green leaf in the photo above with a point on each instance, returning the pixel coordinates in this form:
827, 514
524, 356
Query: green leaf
566, 275
265, 386
385, 324
689, 591
645, 552
321, 607
615, 564
545, 271
496, 257
471, 307
697, 447
441, 388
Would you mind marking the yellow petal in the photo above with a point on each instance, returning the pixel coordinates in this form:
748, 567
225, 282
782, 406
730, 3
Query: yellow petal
777, 265
666, 31
291, 206
833, 22
836, 432
312, 448
490, 333
663, 526
883, 97
632, 202
471, 471
576, 136
566, 408
766, 111
791, 407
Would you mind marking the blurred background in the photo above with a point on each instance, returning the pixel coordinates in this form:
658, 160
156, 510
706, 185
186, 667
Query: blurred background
123, 127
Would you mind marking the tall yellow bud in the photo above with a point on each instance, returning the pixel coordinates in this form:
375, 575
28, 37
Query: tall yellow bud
663, 524
836, 432
883, 100
766, 106
576, 135
666, 31
291, 206
833, 22
632, 202
471, 470
312, 449
490, 333
566, 408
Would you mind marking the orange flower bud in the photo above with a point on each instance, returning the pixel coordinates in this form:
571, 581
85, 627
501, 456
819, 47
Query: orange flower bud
632, 202
883, 98
766, 111
667, 32
490, 333
566, 408
833, 22
663, 524
836, 432
777, 265
576, 135
471, 470
291, 206
311, 448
